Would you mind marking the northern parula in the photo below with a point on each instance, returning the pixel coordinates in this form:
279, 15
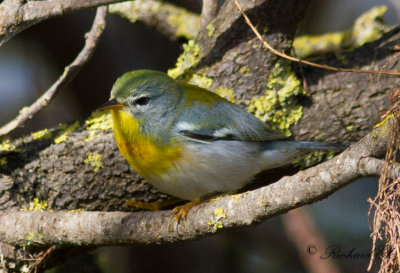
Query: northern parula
189, 142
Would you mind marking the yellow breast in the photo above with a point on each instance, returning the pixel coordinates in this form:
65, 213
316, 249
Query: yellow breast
143, 153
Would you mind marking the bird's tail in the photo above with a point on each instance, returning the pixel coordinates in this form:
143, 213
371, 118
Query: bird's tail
312, 146
279, 153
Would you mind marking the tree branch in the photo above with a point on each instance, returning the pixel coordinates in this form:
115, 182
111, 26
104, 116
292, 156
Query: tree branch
166, 18
17, 15
119, 228
70, 71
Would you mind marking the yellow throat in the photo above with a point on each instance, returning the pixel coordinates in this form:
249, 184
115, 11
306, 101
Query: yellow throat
143, 153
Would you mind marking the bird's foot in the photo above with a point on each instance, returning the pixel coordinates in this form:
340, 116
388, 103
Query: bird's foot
181, 211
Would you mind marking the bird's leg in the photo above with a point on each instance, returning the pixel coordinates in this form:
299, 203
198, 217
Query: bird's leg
182, 211
154, 206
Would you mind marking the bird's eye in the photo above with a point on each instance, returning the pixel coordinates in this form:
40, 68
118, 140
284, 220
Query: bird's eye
142, 101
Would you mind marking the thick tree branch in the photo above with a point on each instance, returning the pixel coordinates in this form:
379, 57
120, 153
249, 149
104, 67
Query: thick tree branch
17, 15
118, 228
70, 71
166, 18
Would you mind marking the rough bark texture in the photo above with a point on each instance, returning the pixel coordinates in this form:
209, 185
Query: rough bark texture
86, 171
233, 46
352, 103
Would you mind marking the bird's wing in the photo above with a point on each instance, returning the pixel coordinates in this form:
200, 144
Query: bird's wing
222, 120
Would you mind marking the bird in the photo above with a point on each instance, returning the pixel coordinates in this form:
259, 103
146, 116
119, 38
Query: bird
191, 143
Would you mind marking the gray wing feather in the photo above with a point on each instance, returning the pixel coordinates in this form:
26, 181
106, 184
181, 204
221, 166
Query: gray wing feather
223, 120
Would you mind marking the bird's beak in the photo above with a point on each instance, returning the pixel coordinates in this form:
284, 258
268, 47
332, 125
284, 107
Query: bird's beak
111, 104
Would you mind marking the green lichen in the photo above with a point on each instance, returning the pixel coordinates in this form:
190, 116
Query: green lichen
6, 146
278, 106
23, 110
225, 93
75, 210
199, 80
42, 134
3, 161
211, 29
235, 198
216, 223
33, 238
99, 120
65, 130
261, 202
306, 45
92, 135
94, 160
368, 27
186, 61
189, 58
350, 128
186, 23
215, 199
384, 121
244, 70
37, 205
312, 159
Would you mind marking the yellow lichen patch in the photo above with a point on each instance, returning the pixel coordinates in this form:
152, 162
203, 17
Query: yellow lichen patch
384, 121
216, 223
225, 93
189, 58
23, 110
32, 237
99, 120
94, 160
215, 199
37, 205
314, 158
186, 23
6, 146
350, 128
211, 29
261, 202
75, 210
219, 213
199, 80
235, 198
60, 138
3, 161
307, 45
42, 134
278, 106
367, 27
65, 130
92, 135
244, 70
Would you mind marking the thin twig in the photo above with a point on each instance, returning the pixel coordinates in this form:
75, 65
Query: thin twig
41, 258
285, 56
92, 38
17, 15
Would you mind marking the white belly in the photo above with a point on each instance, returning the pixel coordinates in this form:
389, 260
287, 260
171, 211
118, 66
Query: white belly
216, 167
